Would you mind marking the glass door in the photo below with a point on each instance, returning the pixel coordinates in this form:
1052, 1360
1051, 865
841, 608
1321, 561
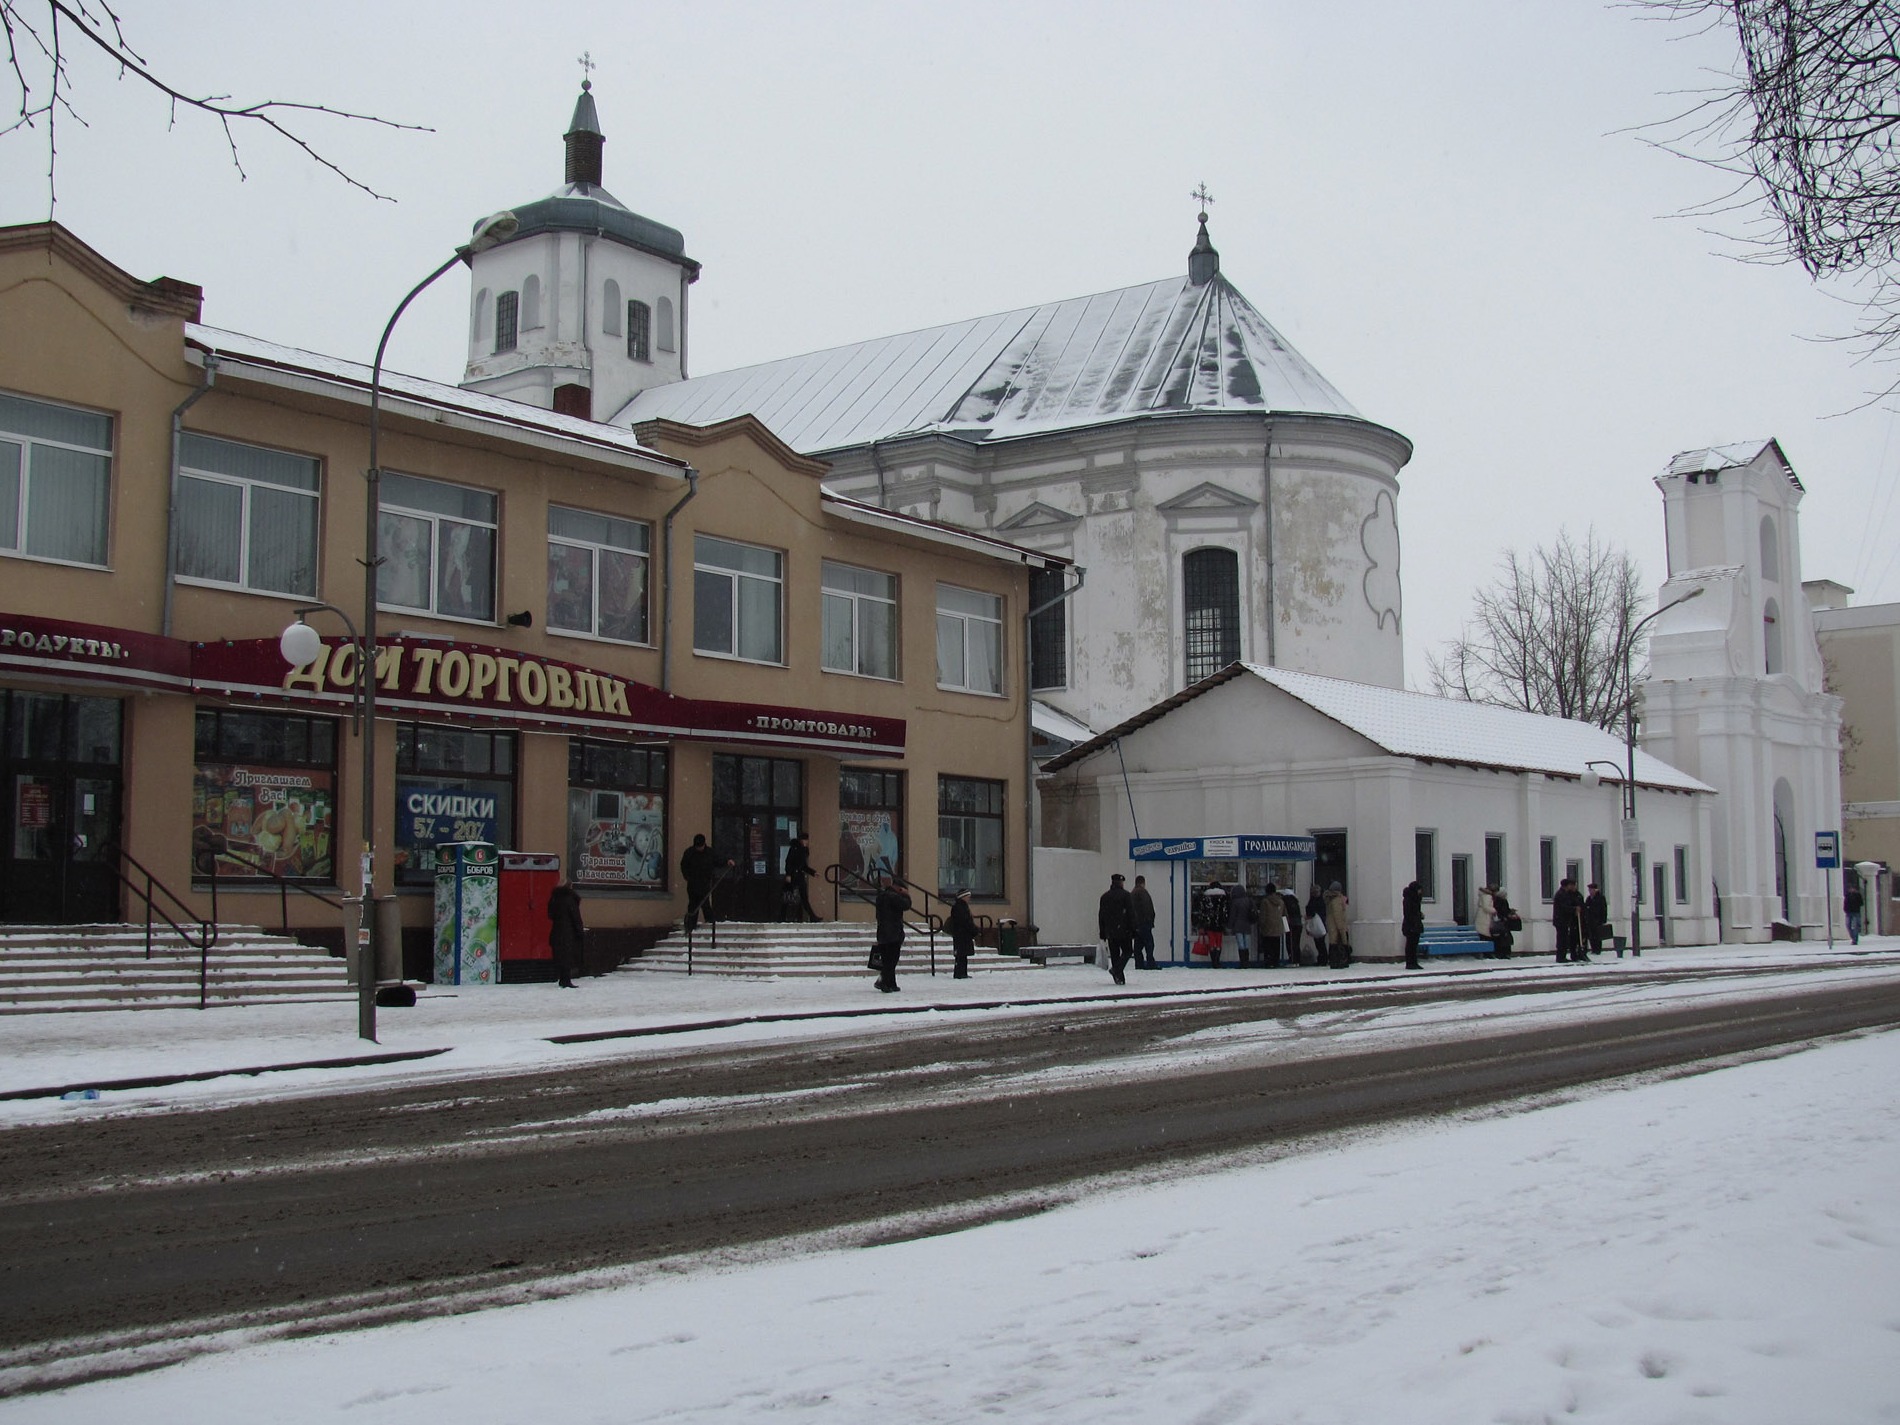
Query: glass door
758, 811
62, 789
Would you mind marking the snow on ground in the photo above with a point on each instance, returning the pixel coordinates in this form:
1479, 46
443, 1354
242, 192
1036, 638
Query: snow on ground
1719, 1247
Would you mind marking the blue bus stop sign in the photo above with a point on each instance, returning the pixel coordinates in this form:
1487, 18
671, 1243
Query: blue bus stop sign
1827, 850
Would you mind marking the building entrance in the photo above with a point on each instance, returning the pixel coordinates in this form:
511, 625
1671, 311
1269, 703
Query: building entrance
60, 779
758, 811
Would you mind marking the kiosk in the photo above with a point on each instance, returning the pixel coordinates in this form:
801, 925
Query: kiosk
1181, 852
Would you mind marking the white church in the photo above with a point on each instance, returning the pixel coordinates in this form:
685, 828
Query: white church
1230, 658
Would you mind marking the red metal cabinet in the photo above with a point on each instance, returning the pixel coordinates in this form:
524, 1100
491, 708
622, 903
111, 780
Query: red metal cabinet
526, 879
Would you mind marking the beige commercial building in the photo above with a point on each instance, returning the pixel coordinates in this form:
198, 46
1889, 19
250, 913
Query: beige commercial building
592, 642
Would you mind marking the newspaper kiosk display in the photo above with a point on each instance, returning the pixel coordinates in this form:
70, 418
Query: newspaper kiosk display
1181, 853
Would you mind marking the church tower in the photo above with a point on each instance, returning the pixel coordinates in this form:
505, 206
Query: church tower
585, 307
1735, 693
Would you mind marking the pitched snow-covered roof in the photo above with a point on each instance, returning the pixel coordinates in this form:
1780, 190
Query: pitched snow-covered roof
1432, 729
1163, 347
1731, 457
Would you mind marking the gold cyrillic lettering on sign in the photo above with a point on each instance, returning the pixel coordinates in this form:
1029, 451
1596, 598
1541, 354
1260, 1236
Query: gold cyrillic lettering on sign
426, 659
481, 673
312, 674
454, 673
560, 688
503, 668
534, 684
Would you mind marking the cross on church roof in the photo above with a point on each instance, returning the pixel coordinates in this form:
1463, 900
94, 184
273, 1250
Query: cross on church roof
1203, 197
586, 62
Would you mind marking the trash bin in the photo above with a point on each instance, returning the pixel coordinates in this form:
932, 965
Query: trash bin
1006, 941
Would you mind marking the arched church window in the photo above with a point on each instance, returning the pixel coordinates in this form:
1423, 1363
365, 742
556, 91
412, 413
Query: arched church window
530, 303
639, 331
1770, 550
1210, 586
480, 326
610, 309
507, 316
1771, 636
663, 325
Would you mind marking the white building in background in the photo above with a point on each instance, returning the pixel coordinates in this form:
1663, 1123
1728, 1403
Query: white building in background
1736, 695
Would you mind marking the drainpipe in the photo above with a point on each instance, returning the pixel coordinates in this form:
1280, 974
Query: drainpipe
1273, 621
171, 513
1029, 748
666, 581
878, 465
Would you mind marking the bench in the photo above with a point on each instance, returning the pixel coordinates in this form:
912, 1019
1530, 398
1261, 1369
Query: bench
1454, 940
1043, 954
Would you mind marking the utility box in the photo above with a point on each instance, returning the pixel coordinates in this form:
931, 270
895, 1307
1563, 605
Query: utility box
466, 913
527, 878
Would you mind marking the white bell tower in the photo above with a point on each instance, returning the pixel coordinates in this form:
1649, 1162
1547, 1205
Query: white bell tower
585, 307
1735, 691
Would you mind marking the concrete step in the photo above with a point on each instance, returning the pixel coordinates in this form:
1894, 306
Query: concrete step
57, 968
834, 948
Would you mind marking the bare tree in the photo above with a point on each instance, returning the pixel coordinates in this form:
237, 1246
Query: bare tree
1549, 635
42, 37
1807, 122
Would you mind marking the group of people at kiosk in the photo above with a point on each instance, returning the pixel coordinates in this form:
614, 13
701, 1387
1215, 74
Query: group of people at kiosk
1269, 927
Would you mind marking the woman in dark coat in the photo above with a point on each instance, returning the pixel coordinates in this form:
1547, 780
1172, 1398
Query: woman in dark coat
565, 932
962, 927
1501, 914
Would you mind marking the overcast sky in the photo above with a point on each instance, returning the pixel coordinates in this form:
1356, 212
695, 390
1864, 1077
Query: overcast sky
1441, 206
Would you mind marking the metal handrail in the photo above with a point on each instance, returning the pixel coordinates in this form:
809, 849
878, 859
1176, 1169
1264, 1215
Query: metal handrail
207, 929
284, 885
711, 919
861, 887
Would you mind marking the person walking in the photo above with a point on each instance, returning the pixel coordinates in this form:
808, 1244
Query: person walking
1566, 914
1412, 921
1596, 919
893, 903
1115, 923
1144, 925
1214, 920
1486, 912
1852, 901
1290, 903
699, 868
1316, 924
1272, 927
1338, 927
796, 902
962, 927
1243, 918
1501, 917
565, 933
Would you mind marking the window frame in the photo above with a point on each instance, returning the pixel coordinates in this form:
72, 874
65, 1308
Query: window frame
1198, 592
870, 798
1425, 863
599, 767
965, 619
411, 767
1680, 867
507, 322
997, 791
853, 602
434, 518
106, 455
594, 550
736, 628
1547, 868
247, 484
1494, 851
639, 330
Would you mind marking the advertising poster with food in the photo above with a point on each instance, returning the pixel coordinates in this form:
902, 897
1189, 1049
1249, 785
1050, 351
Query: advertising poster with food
264, 821
617, 838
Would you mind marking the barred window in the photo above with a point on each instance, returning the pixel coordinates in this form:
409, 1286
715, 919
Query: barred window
1048, 630
1210, 580
507, 313
639, 331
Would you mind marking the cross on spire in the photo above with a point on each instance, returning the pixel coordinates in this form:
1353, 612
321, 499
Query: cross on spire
586, 62
1203, 197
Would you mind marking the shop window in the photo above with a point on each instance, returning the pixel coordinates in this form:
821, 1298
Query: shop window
507, 317
969, 640
247, 516
738, 595
597, 575
970, 835
860, 621
663, 337
1048, 630
55, 481
1210, 587
263, 799
639, 331
870, 821
1425, 863
452, 784
616, 815
438, 548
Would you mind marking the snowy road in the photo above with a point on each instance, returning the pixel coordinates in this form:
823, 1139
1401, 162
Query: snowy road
383, 1204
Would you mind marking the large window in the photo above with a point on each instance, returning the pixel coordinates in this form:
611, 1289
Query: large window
616, 814
1048, 630
55, 481
452, 784
970, 834
1494, 861
1547, 867
969, 640
1425, 863
597, 575
738, 592
639, 331
438, 548
247, 517
507, 317
1210, 588
263, 799
860, 621
870, 820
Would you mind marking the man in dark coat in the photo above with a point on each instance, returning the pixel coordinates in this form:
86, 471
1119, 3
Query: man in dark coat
1412, 921
1243, 918
893, 901
565, 932
796, 903
1115, 923
1566, 913
1144, 925
1852, 902
1294, 933
962, 927
1596, 918
699, 866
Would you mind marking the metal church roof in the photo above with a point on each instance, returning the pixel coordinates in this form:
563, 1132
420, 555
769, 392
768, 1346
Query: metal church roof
1163, 347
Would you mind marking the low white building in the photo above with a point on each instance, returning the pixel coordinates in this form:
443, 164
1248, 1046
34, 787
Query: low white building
1391, 785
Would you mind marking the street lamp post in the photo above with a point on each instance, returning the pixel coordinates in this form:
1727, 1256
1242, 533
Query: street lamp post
488, 233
